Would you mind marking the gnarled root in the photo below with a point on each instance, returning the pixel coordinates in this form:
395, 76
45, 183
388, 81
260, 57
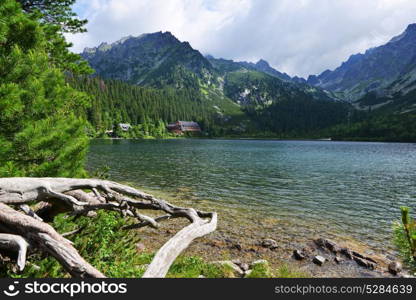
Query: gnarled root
15, 243
21, 229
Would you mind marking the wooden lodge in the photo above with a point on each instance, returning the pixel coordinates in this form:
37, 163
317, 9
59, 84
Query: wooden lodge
180, 127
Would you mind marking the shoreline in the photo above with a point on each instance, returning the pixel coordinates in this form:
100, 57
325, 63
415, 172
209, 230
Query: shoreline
235, 239
375, 141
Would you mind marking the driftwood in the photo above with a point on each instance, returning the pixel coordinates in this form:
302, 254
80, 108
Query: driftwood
22, 227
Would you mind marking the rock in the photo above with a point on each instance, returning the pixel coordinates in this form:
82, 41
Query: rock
331, 246
395, 268
358, 254
269, 243
347, 252
229, 264
201, 276
245, 267
338, 259
92, 214
299, 255
259, 262
237, 246
319, 260
140, 247
327, 244
320, 242
364, 263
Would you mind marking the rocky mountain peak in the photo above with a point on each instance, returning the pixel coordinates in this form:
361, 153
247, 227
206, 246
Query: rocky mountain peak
411, 28
262, 63
374, 70
409, 33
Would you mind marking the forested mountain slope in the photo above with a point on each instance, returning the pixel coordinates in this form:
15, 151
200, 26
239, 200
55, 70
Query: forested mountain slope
233, 95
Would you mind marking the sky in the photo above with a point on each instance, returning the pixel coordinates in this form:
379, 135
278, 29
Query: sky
299, 37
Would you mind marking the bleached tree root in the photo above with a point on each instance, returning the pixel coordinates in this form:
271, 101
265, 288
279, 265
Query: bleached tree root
15, 243
20, 230
169, 251
42, 236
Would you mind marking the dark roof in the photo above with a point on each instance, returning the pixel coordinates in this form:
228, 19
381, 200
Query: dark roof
188, 124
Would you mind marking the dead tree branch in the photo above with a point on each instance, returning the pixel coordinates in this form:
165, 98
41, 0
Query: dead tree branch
19, 230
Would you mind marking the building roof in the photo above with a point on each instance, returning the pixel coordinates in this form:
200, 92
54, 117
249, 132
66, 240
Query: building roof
184, 126
188, 124
124, 126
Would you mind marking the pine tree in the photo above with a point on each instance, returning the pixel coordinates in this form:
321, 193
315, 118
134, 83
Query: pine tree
42, 131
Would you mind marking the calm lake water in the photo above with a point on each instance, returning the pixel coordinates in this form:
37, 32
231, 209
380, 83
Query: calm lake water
346, 189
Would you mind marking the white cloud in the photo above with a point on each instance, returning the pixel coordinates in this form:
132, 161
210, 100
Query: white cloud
300, 37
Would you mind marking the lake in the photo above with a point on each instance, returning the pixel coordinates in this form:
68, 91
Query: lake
342, 190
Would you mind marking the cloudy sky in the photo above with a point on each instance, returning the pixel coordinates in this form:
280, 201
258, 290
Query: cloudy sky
300, 37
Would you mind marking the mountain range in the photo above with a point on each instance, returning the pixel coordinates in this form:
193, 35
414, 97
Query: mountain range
387, 73
244, 92
160, 59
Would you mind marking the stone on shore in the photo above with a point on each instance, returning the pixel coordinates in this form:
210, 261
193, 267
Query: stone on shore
319, 260
364, 263
395, 268
237, 272
259, 262
245, 267
347, 252
269, 243
338, 259
299, 255
327, 244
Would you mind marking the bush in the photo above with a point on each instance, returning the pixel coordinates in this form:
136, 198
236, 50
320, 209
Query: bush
405, 238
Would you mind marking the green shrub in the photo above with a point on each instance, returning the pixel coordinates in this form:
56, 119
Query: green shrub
193, 267
402, 244
260, 271
405, 237
286, 271
102, 242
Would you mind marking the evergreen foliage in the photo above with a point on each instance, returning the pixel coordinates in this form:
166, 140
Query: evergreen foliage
40, 133
379, 127
56, 12
148, 110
